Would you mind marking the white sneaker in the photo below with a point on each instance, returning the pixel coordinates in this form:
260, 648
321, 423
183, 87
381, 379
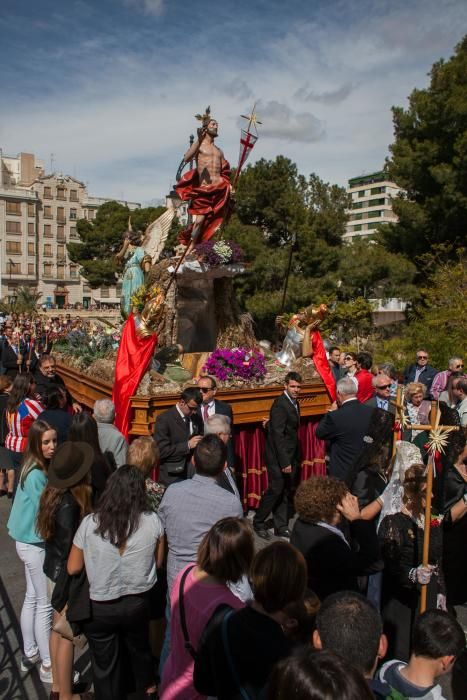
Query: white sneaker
29, 662
45, 674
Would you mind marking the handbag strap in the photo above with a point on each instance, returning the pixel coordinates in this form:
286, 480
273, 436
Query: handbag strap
181, 606
230, 661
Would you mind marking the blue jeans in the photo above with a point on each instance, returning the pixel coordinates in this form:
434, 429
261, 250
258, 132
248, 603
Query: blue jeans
165, 651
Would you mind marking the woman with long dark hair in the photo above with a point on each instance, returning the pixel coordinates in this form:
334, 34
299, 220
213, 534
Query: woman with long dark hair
225, 554
83, 428
55, 412
22, 409
36, 613
121, 544
65, 501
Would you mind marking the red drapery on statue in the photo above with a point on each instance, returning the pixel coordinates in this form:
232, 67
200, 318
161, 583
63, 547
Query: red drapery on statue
250, 466
134, 355
211, 201
322, 365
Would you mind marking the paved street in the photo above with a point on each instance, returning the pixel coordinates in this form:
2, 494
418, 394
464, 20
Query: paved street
15, 685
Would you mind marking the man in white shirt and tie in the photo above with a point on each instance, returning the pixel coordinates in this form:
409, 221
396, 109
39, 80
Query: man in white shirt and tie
382, 398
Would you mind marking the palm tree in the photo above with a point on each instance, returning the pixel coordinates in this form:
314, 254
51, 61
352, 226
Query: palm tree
24, 302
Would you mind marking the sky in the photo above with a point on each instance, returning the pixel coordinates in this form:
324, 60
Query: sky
111, 87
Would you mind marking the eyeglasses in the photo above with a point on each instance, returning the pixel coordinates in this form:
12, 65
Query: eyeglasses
459, 367
205, 390
422, 357
384, 386
347, 357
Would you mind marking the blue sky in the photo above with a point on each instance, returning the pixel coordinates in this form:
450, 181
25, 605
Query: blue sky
110, 87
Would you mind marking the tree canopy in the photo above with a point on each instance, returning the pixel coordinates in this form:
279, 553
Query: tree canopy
102, 238
429, 161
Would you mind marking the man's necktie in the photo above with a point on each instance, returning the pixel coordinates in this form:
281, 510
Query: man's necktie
205, 412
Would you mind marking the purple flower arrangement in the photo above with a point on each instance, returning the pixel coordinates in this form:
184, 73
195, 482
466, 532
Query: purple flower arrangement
217, 253
238, 363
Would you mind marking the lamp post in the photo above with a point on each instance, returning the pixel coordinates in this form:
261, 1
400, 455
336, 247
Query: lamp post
293, 247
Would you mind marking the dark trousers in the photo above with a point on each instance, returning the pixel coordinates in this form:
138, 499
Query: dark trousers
277, 499
118, 636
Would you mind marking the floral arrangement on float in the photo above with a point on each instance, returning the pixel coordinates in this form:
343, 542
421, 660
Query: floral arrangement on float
218, 253
237, 363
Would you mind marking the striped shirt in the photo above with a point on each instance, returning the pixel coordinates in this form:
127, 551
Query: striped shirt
19, 423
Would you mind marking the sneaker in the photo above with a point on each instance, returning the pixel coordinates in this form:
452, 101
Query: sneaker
29, 662
45, 674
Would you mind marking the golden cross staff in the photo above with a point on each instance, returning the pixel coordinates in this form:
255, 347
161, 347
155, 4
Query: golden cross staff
437, 442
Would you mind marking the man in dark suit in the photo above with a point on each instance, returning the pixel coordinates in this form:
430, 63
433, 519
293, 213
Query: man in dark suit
344, 428
10, 353
177, 432
382, 398
421, 371
212, 406
282, 460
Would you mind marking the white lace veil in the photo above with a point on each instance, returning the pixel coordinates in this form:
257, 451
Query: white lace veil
406, 455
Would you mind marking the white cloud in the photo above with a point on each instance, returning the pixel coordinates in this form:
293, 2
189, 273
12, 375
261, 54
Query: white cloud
282, 123
149, 7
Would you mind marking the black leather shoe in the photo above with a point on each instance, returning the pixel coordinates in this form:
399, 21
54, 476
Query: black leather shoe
283, 533
262, 532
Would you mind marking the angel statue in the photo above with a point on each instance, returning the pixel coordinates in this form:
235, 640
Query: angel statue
139, 251
297, 342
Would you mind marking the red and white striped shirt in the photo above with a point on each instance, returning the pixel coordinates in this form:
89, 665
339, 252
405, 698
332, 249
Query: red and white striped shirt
19, 423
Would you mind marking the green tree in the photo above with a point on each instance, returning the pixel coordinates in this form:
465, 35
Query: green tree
26, 301
429, 161
103, 237
350, 320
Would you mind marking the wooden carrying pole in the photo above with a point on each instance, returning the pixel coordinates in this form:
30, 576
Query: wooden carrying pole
434, 420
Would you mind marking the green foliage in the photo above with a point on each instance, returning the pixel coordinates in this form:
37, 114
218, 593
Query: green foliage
437, 320
429, 161
350, 319
26, 302
101, 239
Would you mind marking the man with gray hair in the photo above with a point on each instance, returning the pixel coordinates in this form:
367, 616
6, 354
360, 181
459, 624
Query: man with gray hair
111, 440
344, 428
221, 425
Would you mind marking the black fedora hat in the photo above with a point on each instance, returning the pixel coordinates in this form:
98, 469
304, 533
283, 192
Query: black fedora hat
70, 463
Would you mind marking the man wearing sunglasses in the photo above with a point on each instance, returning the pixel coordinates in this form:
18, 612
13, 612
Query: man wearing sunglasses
382, 398
455, 367
421, 371
212, 406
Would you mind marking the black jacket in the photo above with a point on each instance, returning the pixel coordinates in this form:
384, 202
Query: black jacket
43, 383
171, 435
60, 420
58, 547
282, 444
345, 429
332, 564
426, 376
9, 361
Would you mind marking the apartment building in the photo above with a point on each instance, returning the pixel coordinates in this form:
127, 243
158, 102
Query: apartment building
371, 206
38, 215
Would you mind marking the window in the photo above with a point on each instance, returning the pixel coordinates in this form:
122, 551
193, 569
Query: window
47, 193
48, 250
31, 209
373, 214
31, 268
47, 230
61, 214
373, 224
61, 194
73, 214
86, 289
73, 271
60, 272
118, 289
361, 193
13, 208
91, 214
358, 227
31, 249
48, 212
73, 233
61, 233
60, 251
31, 229
13, 247
13, 268
105, 292
13, 227
376, 190
73, 195
47, 269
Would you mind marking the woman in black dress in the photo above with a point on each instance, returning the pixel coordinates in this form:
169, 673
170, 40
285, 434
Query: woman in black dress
455, 529
401, 540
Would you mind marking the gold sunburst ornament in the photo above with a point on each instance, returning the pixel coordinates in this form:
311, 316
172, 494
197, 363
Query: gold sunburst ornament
438, 439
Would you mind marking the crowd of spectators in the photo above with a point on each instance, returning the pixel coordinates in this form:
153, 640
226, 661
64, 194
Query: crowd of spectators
144, 552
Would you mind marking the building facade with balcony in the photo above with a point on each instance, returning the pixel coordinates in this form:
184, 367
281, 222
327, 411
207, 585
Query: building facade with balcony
38, 215
371, 205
